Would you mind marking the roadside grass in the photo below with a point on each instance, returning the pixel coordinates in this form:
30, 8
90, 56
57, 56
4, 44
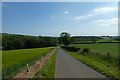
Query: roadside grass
101, 57
48, 70
107, 52
98, 64
15, 60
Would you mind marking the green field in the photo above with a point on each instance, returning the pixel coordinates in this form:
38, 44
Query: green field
106, 65
14, 60
102, 48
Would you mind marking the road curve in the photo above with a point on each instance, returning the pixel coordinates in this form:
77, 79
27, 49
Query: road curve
69, 67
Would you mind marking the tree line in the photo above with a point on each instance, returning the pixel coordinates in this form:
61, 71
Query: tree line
15, 41
85, 39
66, 39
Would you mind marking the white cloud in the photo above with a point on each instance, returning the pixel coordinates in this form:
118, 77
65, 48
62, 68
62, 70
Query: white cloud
97, 11
82, 17
66, 12
107, 22
104, 10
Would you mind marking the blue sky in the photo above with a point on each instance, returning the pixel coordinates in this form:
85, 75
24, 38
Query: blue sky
52, 18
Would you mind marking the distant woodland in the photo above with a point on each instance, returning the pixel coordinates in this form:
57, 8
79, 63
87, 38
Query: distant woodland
17, 41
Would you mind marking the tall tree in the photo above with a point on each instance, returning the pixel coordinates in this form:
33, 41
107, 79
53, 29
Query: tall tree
65, 38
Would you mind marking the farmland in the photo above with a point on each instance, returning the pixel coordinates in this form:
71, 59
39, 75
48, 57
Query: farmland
102, 48
14, 60
98, 57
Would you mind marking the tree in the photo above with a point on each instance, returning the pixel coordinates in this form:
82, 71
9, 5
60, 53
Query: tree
65, 38
15, 41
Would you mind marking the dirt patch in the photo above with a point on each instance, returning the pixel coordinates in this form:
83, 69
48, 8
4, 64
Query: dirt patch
30, 71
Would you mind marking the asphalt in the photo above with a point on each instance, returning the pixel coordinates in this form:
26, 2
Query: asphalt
69, 67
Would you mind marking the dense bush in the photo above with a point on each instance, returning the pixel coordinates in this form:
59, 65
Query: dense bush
86, 50
71, 48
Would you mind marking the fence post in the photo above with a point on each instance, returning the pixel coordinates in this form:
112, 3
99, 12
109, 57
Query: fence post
28, 69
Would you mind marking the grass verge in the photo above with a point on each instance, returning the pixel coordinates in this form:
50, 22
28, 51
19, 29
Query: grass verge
48, 71
98, 64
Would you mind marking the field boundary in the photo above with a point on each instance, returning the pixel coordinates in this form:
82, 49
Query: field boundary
35, 67
111, 77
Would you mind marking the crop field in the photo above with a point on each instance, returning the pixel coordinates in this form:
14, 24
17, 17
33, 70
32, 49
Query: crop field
102, 48
14, 60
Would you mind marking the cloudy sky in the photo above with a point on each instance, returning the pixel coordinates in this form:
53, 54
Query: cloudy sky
50, 18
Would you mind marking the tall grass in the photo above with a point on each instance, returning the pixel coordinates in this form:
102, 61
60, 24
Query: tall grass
15, 60
101, 57
105, 51
102, 48
98, 64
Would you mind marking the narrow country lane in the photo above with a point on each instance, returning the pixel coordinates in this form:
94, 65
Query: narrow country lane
69, 67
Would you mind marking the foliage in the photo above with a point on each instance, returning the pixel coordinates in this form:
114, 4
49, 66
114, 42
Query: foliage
14, 60
71, 48
85, 39
86, 50
95, 39
14, 41
101, 48
65, 38
98, 64
103, 58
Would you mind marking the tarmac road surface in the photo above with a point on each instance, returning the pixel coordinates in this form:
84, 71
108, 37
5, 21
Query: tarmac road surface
69, 67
